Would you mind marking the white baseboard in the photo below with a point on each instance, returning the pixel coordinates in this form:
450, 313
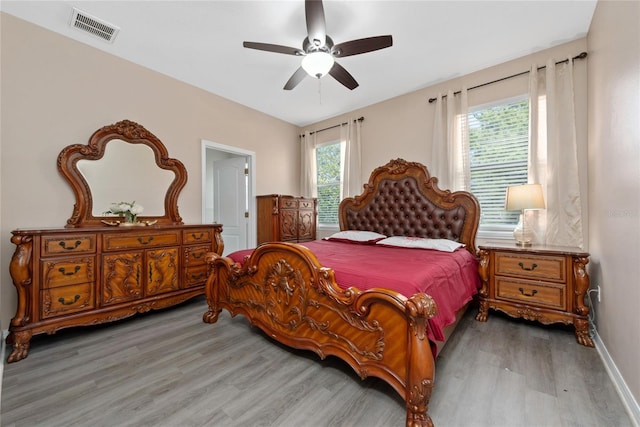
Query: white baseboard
630, 403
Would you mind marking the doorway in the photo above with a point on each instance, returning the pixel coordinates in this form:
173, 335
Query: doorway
228, 184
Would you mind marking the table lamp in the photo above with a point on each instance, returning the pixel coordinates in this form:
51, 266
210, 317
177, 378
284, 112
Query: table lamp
520, 198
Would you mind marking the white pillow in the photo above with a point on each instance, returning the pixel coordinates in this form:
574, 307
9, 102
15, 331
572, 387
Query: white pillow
443, 245
356, 236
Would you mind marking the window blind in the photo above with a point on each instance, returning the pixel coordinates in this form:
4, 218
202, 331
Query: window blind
498, 152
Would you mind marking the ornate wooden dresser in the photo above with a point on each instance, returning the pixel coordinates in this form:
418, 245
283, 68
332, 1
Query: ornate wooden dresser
71, 277
286, 218
98, 268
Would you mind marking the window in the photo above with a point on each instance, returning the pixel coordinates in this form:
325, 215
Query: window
498, 152
328, 166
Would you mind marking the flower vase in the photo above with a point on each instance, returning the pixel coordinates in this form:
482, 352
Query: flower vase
129, 220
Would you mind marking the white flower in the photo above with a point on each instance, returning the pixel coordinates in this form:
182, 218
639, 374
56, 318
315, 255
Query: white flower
114, 209
122, 208
136, 209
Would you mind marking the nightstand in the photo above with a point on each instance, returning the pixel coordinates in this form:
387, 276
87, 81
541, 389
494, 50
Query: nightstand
546, 284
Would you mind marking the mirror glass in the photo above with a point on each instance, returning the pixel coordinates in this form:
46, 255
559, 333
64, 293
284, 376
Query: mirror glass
126, 173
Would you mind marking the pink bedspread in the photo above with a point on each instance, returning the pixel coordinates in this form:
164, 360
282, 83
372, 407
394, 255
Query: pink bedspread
451, 279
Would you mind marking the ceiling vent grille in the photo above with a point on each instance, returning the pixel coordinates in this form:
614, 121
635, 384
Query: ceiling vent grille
94, 26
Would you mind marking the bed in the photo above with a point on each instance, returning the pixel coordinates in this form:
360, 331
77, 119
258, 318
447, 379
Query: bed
294, 297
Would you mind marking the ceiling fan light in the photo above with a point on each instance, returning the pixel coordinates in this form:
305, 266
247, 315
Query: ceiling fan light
317, 64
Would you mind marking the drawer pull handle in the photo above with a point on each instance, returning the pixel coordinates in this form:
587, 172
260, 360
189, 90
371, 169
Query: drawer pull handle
533, 266
70, 248
198, 255
197, 237
70, 273
145, 242
533, 292
63, 302
198, 276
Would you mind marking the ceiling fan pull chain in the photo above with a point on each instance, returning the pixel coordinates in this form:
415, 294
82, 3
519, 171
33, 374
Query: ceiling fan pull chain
320, 90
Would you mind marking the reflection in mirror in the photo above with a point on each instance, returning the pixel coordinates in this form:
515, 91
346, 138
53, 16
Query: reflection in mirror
126, 173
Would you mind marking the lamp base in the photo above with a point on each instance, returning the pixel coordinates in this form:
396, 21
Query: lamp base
522, 235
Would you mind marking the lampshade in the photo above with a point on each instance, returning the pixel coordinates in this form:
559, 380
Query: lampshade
526, 196
317, 64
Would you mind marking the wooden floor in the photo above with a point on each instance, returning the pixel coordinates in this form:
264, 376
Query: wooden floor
170, 369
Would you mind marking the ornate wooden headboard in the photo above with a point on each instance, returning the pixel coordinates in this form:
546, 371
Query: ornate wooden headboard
402, 199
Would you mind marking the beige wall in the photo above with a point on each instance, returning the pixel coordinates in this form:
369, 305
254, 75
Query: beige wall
56, 92
614, 180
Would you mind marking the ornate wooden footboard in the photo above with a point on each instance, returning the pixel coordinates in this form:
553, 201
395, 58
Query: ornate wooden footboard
283, 289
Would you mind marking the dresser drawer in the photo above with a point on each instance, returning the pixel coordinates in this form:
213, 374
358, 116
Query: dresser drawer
287, 203
550, 295
56, 245
305, 204
200, 235
195, 275
67, 271
67, 299
140, 240
531, 266
194, 255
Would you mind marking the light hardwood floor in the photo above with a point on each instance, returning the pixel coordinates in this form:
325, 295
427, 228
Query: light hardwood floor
170, 369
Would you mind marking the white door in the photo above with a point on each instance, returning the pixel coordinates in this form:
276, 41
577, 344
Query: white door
230, 202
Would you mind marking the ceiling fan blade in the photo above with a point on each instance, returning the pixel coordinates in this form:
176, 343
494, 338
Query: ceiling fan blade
273, 48
340, 74
296, 78
356, 47
316, 26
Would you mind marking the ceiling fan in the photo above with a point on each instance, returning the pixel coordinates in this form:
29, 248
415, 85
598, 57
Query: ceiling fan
319, 51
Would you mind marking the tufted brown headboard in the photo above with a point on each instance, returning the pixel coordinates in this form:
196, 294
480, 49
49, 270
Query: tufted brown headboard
401, 199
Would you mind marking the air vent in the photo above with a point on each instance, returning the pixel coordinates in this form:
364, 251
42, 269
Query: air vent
94, 26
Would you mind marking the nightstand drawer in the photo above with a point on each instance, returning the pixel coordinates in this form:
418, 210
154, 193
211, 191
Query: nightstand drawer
531, 266
550, 295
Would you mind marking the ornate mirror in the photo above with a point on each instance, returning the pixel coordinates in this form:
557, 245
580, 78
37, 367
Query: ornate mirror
123, 162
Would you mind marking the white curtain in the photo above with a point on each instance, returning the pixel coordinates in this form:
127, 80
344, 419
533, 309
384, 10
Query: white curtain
308, 174
351, 172
553, 158
450, 145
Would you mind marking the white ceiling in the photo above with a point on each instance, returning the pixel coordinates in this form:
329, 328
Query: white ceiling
200, 42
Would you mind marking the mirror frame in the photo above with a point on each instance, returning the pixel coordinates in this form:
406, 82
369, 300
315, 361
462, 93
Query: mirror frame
132, 133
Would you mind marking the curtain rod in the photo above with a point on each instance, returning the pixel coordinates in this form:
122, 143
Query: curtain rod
582, 55
359, 119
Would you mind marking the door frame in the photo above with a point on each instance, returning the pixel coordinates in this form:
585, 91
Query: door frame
209, 146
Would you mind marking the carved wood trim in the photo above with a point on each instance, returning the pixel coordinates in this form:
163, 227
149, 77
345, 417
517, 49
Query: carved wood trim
283, 289
132, 133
